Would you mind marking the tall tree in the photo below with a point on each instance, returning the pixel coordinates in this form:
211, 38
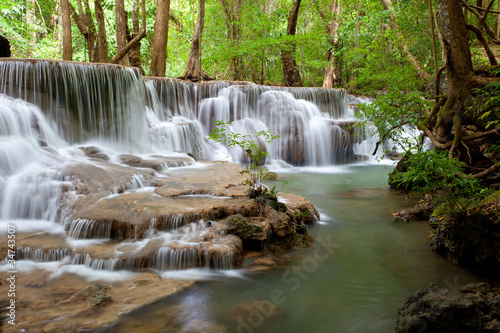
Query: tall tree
121, 27
133, 47
97, 43
160, 39
291, 75
448, 122
405, 50
193, 66
102, 44
232, 14
332, 70
66, 30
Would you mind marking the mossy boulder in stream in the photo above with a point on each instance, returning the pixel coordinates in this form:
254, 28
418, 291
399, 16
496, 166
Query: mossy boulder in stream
472, 308
253, 234
470, 237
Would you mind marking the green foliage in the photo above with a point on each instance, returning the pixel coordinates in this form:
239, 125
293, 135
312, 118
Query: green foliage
433, 171
392, 113
249, 148
372, 55
487, 105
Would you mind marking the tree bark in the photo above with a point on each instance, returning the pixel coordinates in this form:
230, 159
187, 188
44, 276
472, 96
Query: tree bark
102, 40
332, 71
134, 55
121, 27
66, 29
291, 75
232, 14
497, 23
193, 66
85, 24
405, 50
160, 39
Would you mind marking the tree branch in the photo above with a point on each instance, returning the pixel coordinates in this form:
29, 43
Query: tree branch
78, 20
482, 9
484, 42
487, 172
387, 134
124, 51
485, 25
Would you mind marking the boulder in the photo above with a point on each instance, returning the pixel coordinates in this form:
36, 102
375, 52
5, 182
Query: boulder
473, 308
253, 234
470, 237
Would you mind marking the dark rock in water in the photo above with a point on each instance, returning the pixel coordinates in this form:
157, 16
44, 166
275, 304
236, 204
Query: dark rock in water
254, 314
474, 308
402, 166
138, 162
470, 237
202, 326
421, 211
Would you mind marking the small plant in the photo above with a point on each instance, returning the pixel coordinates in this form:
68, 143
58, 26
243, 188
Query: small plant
302, 214
251, 151
255, 156
433, 171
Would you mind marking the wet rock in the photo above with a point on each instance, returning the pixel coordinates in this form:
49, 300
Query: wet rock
402, 166
96, 295
253, 235
265, 261
470, 237
102, 176
138, 162
255, 313
94, 152
435, 309
421, 211
202, 326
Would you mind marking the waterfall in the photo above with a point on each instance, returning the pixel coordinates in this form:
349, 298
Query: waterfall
68, 129
101, 103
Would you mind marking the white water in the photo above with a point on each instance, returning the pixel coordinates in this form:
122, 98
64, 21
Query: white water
63, 106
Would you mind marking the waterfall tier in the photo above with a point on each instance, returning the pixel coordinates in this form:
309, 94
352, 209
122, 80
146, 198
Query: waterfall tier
114, 106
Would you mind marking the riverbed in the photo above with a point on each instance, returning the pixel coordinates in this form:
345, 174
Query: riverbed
362, 266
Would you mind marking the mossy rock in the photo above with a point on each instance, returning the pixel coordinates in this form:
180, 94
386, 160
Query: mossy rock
254, 236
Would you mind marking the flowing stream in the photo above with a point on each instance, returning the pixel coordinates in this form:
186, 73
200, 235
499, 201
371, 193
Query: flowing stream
374, 264
57, 115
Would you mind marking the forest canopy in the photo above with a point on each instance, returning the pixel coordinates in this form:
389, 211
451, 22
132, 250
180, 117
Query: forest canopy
433, 64
370, 46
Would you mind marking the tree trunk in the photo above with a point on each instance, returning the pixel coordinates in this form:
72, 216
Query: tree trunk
66, 29
85, 24
232, 15
134, 55
160, 39
101, 37
447, 122
497, 23
332, 72
291, 75
121, 27
404, 49
193, 66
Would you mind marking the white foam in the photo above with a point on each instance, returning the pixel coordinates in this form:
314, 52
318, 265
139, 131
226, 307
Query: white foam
199, 274
27, 226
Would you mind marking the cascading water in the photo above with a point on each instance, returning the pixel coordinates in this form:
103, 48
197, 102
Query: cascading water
49, 110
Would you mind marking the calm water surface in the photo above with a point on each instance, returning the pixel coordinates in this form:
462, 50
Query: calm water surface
361, 268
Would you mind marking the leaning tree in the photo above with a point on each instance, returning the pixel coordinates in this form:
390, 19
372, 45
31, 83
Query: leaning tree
457, 123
